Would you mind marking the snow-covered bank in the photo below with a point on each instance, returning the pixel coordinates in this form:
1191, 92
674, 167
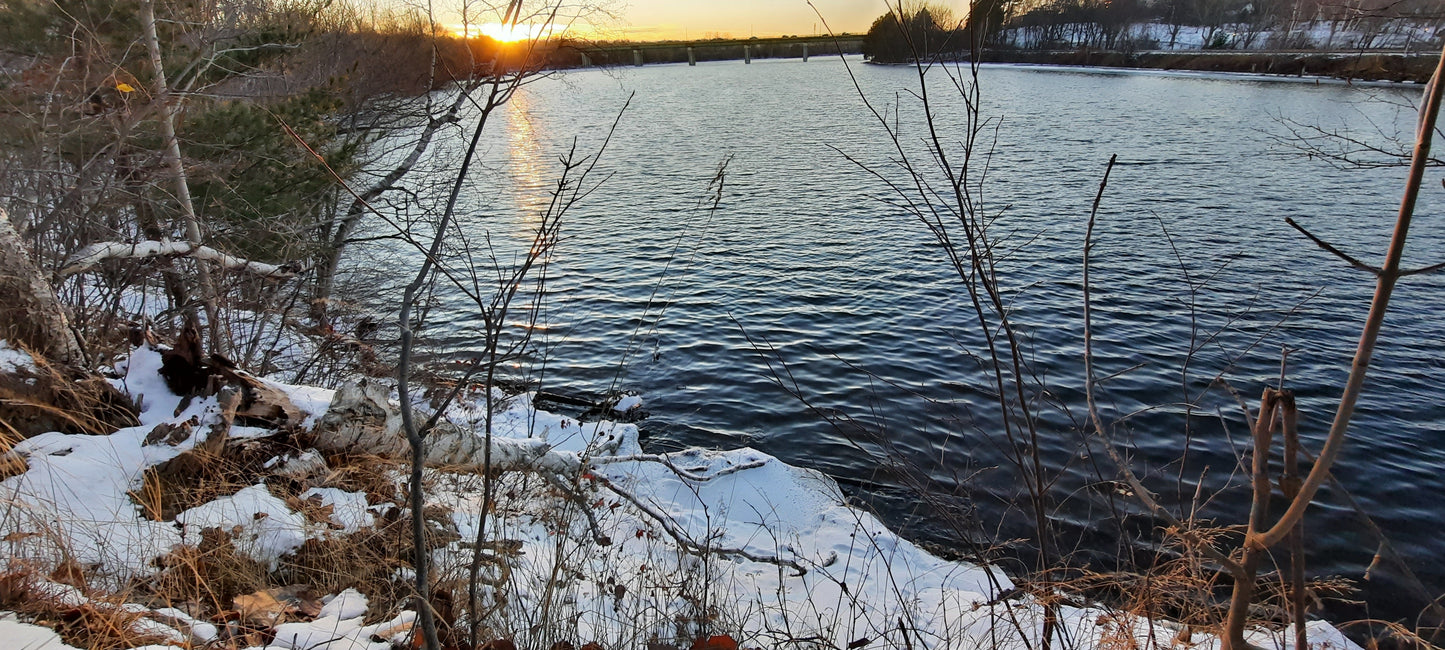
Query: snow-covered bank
630, 548
1250, 77
1325, 35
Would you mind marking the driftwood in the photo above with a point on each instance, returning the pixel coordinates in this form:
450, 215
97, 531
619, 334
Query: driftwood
362, 417
191, 373
228, 399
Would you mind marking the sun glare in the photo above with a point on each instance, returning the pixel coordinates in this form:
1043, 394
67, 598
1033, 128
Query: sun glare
509, 33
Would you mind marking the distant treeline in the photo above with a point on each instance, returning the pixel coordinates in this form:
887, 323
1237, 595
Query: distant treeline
904, 34
1130, 25
1223, 24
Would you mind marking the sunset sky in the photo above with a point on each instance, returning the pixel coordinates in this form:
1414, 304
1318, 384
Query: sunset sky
652, 19
647, 20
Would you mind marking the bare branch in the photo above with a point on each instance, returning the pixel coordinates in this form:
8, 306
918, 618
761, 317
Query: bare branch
92, 255
1424, 270
1337, 252
1143, 493
1384, 288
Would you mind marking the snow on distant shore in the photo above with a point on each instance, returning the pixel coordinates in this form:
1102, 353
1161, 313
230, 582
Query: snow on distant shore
775, 553
1321, 35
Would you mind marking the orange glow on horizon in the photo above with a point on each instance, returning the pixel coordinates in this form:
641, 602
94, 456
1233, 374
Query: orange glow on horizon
509, 33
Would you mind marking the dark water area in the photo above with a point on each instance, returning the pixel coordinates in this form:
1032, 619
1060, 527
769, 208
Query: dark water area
654, 293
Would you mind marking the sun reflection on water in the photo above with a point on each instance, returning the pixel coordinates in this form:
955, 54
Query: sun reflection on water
525, 166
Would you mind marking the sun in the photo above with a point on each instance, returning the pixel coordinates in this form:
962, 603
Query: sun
510, 33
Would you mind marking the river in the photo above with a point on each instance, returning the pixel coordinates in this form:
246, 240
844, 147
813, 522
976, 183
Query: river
805, 253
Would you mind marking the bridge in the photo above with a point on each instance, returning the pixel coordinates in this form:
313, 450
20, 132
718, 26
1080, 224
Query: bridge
787, 47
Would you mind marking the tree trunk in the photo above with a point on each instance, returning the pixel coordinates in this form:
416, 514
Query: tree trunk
32, 316
172, 155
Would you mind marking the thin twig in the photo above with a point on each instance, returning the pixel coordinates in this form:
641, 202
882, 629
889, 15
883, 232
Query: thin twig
1337, 252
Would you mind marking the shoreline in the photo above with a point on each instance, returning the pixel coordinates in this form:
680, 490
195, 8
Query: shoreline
1392, 67
766, 548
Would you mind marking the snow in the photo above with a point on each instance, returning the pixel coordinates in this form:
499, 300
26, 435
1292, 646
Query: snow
769, 510
349, 510
627, 403
24, 636
775, 546
345, 605
14, 360
261, 525
74, 502
62, 596
335, 632
201, 630
99, 252
1308, 35
311, 400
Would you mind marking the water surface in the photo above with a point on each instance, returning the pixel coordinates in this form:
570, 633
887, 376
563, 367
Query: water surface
805, 256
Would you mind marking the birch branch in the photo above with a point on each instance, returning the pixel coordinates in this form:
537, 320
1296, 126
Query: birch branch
88, 257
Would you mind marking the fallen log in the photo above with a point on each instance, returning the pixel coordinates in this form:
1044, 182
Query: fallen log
92, 255
361, 417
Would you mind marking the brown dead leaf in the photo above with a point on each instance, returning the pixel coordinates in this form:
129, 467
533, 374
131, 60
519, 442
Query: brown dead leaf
716, 642
390, 632
13, 588
313, 509
262, 607
69, 573
270, 606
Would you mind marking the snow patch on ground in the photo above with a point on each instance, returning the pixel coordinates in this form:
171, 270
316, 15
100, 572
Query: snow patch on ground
13, 359
24, 636
349, 510
260, 525
339, 627
646, 541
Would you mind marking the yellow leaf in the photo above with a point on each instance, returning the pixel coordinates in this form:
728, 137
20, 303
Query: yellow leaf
124, 87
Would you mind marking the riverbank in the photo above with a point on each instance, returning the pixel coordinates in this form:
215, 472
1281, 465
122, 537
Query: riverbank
1361, 66
1398, 67
192, 530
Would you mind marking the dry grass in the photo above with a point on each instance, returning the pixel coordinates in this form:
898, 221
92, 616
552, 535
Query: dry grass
1182, 586
204, 579
101, 624
197, 477
47, 397
208, 578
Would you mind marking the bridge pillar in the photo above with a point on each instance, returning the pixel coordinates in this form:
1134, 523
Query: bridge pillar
691, 56
805, 53
637, 58
586, 62
747, 54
